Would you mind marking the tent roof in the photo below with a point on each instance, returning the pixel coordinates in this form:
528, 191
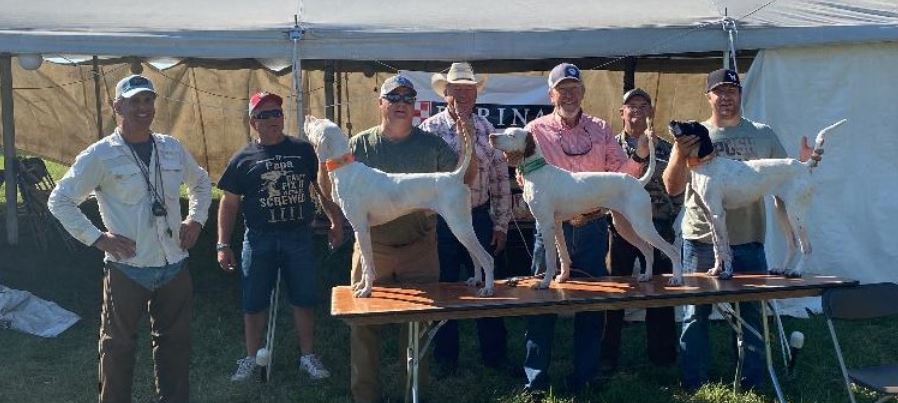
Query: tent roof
411, 30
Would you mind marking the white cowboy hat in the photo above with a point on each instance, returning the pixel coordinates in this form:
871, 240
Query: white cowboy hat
459, 73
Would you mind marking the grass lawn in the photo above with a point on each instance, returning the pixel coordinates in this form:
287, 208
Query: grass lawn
63, 369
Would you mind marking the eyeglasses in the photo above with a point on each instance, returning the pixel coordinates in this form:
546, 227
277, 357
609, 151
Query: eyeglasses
274, 113
394, 98
575, 144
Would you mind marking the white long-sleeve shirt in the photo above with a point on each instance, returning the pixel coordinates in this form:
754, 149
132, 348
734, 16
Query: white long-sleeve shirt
109, 169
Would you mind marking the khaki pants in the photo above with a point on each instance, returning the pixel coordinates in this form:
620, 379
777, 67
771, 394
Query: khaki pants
415, 263
171, 307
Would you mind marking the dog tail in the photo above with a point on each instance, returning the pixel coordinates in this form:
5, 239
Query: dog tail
644, 180
821, 138
468, 138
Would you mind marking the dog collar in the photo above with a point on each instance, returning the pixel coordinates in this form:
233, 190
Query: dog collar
696, 161
531, 166
336, 163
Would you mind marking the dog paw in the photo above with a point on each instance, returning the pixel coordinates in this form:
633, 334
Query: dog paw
473, 282
776, 270
675, 281
714, 272
793, 273
542, 285
364, 292
643, 277
561, 278
485, 292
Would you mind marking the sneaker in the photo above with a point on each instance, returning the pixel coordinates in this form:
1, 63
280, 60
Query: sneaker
313, 366
245, 369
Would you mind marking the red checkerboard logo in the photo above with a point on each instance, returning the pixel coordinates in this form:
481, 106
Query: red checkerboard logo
422, 111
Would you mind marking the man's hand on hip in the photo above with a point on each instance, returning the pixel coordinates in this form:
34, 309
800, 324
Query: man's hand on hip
118, 246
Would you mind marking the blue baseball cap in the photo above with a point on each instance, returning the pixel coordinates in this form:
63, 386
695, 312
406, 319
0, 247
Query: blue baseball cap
563, 71
395, 82
133, 85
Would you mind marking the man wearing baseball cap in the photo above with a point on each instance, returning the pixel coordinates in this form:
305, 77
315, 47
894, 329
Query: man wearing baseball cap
270, 182
637, 112
737, 138
405, 249
136, 175
575, 141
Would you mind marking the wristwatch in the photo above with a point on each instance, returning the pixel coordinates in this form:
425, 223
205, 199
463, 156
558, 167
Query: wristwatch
222, 246
637, 158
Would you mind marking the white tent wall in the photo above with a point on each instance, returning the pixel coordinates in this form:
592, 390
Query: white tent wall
206, 108
854, 212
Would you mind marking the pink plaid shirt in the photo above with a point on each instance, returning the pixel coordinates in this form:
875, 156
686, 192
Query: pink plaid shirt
587, 147
492, 183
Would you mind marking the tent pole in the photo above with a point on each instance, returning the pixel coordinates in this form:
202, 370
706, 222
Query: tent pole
295, 35
338, 99
629, 73
329, 90
9, 148
99, 102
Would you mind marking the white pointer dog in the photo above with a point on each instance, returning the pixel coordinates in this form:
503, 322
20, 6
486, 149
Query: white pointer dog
722, 184
555, 195
370, 197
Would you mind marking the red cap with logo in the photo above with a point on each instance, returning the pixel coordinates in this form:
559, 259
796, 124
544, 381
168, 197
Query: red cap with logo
262, 97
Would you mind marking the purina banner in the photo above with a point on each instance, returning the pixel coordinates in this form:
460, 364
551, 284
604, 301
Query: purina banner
505, 100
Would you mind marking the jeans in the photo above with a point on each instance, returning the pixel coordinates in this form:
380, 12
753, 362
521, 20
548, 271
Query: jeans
490, 331
587, 246
291, 250
695, 347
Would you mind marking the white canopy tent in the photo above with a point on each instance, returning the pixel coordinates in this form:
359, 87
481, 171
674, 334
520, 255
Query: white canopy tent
408, 30
412, 30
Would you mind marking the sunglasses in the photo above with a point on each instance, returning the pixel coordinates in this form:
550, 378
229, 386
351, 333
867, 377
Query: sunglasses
394, 98
274, 113
576, 144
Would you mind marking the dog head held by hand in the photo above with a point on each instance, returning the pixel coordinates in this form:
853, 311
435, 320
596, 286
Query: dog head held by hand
516, 143
693, 128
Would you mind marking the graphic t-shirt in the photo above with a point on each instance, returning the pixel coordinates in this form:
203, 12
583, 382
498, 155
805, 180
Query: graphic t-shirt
746, 141
274, 182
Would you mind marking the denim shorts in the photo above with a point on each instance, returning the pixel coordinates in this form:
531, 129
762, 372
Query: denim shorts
264, 252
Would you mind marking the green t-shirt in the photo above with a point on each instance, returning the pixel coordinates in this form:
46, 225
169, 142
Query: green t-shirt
420, 152
746, 141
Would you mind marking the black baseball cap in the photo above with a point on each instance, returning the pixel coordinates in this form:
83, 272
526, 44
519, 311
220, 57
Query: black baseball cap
721, 77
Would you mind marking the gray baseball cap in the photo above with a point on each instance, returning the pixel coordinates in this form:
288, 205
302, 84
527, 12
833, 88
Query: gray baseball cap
563, 71
395, 82
133, 85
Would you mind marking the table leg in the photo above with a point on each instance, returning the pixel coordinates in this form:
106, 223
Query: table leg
416, 332
769, 355
740, 349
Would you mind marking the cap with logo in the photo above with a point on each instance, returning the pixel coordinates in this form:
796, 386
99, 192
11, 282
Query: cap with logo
637, 92
562, 72
262, 97
133, 85
395, 82
722, 77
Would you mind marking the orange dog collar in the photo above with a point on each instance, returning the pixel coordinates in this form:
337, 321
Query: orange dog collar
337, 163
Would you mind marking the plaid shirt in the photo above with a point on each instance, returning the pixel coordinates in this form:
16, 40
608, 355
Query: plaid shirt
664, 206
491, 184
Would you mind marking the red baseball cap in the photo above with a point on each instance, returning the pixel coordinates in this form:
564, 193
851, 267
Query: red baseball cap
262, 97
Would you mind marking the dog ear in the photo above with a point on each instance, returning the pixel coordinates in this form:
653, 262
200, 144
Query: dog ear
530, 145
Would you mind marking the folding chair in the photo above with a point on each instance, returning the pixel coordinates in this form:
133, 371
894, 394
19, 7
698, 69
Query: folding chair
869, 301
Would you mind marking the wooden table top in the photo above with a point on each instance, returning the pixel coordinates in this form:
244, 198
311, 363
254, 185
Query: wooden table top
438, 301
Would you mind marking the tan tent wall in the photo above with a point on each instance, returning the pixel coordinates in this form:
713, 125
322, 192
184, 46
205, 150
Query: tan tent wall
206, 108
